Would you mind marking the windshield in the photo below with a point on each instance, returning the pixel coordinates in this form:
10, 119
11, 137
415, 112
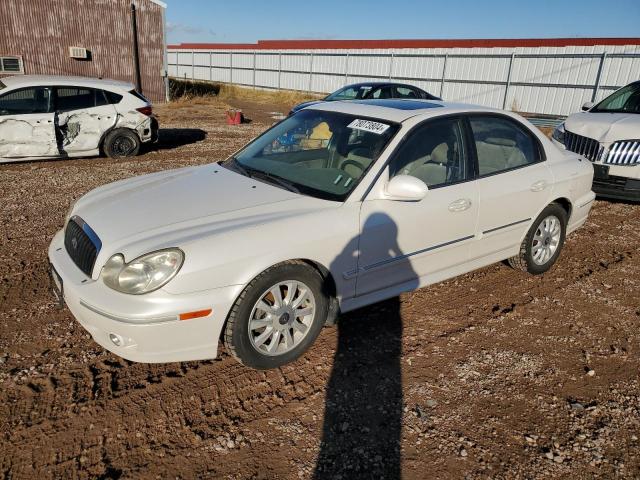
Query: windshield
354, 92
317, 153
2, 85
625, 100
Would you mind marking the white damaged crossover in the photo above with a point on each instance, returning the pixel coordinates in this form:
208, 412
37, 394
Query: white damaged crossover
339, 206
63, 117
608, 134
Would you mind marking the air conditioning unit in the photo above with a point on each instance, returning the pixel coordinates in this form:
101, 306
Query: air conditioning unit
78, 52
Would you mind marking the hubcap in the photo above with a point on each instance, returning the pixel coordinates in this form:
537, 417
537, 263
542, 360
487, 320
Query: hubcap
282, 317
546, 240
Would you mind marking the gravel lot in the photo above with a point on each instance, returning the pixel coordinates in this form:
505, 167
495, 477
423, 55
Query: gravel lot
494, 374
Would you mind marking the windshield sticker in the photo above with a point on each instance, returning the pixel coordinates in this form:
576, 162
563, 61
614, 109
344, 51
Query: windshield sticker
369, 126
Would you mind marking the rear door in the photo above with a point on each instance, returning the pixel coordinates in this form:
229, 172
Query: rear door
83, 115
514, 181
27, 123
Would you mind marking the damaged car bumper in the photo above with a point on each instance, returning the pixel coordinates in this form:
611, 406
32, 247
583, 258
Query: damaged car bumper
148, 328
615, 181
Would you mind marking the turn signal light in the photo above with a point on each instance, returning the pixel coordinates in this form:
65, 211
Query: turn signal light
196, 314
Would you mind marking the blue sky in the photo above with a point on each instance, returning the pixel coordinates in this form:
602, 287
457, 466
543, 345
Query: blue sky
252, 20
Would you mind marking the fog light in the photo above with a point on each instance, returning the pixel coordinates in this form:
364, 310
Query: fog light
117, 340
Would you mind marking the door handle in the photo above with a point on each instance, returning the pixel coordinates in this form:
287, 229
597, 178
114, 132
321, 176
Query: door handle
460, 205
539, 186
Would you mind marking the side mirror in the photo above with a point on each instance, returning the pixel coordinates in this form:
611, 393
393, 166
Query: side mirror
406, 188
587, 106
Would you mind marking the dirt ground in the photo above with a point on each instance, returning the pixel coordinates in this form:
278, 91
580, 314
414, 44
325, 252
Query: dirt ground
494, 374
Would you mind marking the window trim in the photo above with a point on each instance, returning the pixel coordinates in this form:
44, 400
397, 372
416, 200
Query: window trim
95, 91
10, 72
542, 155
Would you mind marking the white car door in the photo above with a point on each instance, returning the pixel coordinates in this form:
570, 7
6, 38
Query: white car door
27, 123
514, 182
83, 115
402, 241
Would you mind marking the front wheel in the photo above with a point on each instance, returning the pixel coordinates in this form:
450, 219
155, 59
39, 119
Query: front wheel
544, 240
277, 317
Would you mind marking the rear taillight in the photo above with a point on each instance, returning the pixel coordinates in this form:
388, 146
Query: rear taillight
148, 110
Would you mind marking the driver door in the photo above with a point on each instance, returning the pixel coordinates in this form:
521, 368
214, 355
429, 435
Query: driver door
27, 124
402, 242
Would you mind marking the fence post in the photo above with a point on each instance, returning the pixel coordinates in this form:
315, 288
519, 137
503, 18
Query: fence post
193, 65
310, 71
279, 68
230, 67
596, 87
346, 69
506, 88
391, 64
210, 66
254, 69
444, 73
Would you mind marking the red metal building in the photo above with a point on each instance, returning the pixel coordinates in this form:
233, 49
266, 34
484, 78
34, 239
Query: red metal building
91, 38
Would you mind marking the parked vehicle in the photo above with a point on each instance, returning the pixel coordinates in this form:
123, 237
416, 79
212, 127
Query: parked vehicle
52, 117
371, 90
608, 134
263, 249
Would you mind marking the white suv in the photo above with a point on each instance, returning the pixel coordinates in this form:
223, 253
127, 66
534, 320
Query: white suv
53, 117
608, 134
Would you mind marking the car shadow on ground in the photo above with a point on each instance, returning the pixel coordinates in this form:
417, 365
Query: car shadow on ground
169, 138
363, 408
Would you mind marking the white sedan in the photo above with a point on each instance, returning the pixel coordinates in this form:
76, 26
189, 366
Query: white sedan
339, 206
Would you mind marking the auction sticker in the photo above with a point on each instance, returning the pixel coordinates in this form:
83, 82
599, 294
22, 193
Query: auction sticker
369, 126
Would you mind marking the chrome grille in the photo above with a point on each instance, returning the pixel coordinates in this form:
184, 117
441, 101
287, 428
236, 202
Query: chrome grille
82, 244
585, 146
625, 152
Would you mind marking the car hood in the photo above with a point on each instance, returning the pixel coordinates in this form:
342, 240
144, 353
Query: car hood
173, 207
300, 106
605, 127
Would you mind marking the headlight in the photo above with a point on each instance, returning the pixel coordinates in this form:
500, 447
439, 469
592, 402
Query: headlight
144, 274
558, 133
68, 216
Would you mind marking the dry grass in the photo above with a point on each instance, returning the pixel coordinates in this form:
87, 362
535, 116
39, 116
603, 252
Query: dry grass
279, 97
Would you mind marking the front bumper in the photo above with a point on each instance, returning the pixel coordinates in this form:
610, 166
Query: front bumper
620, 182
147, 326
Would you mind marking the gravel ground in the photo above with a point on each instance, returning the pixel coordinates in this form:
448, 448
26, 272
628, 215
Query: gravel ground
494, 374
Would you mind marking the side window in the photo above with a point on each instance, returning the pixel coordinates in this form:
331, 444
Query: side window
112, 98
383, 92
74, 98
405, 92
501, 144
26, 100
434, 153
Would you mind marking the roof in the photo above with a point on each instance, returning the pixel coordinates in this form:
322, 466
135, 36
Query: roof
397, 110
408, 43
16, 81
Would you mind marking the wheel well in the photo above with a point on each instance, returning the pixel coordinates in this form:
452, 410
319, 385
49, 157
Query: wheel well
566, 204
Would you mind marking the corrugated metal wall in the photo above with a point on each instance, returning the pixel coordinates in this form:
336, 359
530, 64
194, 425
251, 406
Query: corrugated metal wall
542, 80
41, 32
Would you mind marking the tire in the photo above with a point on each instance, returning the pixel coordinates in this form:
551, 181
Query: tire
121, 143
543, 243
265, 332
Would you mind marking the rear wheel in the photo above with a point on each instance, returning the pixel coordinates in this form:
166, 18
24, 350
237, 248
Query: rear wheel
121, 143
544, 240
277, 317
